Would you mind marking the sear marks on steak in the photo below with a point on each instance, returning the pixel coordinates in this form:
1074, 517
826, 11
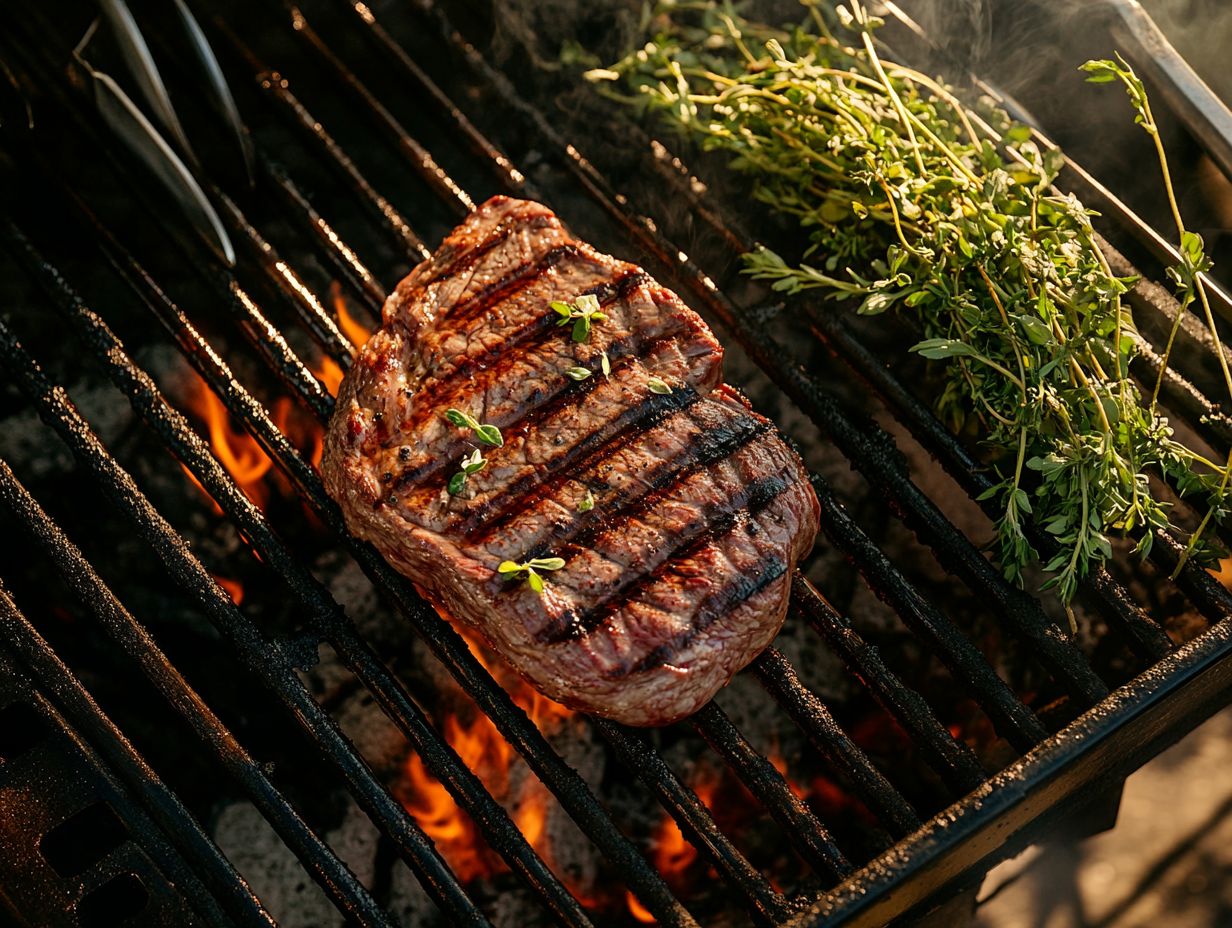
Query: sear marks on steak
678, 575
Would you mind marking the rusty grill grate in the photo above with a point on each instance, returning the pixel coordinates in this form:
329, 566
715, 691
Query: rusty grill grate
990, 816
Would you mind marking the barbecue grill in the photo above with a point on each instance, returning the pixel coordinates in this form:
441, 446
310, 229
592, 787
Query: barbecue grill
100, 821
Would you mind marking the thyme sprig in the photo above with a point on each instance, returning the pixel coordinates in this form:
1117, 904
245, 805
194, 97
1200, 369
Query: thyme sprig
913, 203
582, 313
472, 464
488, 434
529, 570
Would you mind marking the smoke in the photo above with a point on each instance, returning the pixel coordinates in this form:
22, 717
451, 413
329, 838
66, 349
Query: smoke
1029, 50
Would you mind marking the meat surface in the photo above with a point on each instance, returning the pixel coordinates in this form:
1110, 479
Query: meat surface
678, 512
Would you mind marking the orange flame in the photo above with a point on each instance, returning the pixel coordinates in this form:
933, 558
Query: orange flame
637, 910
234, 588
356, 332
779, 762
483, 749
237, 451
673, 854
1224, 573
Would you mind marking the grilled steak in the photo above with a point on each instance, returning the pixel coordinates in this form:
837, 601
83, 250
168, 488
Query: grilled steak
678, 512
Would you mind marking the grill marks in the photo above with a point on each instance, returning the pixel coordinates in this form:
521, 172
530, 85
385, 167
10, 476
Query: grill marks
487, 517
676, 577
535, 324
718, 604
711, 523
552, 397
451, 260
526, 383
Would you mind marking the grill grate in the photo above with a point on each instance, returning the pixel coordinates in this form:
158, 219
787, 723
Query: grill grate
1154, 697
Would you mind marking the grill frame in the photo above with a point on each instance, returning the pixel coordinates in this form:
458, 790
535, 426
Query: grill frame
1157, 702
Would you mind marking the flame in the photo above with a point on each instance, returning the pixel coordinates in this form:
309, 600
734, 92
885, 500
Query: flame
1224, 573
779, 762
637, 910
356, 332
673, 854
483, 749
234, 588
237, 451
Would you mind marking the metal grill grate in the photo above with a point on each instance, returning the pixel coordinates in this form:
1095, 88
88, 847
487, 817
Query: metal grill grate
1126, 728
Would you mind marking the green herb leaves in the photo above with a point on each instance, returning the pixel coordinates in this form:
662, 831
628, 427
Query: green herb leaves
577, 373
474, 462
914, 205
488, 434
582, 313
587, 502
529, 570
656, 385
471, 464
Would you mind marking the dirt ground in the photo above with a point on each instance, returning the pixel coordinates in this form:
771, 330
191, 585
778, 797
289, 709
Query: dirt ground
1167, 864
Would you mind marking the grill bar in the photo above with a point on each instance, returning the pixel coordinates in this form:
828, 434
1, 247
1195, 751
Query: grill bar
1018, 723
1100, 749
973, 557
953, 760
810, 838
277, 88
811, 716
291, 289
324, 613
695, 822
79, 708
507, 174
872, 452
118, 486
329, 245
425, 166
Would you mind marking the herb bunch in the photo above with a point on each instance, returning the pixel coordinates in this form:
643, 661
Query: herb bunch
913, 203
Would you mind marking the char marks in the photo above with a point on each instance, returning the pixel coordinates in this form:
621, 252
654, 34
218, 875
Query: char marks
485, 519
542, 404
716, 605
529, 336
724, 517
679, 515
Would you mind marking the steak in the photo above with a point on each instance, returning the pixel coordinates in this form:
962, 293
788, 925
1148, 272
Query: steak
678, 512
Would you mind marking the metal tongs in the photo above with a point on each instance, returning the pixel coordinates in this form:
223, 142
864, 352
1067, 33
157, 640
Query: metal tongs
1187, 95
1140, 39
158, 139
